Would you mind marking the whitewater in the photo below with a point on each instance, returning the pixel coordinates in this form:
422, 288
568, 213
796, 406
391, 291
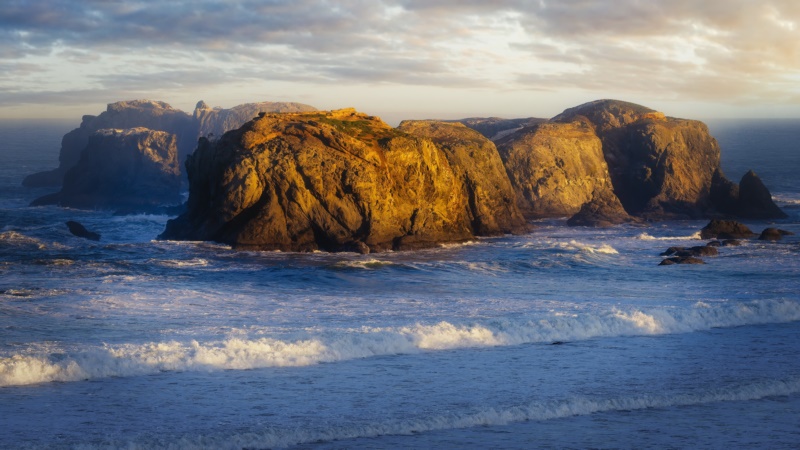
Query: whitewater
561, 338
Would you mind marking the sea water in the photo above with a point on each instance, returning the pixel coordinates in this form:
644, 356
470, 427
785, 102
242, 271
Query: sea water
561, 338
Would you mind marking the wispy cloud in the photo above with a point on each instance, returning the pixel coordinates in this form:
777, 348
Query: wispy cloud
720, 50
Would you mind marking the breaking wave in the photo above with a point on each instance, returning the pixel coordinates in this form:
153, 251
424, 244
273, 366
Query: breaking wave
239, 353
647, 237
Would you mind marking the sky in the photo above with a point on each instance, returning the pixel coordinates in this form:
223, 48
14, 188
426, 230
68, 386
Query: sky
403, 59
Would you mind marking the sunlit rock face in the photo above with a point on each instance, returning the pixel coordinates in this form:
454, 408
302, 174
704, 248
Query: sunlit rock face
133, 170
337, 180
120, 115
660, 167
491, 203
555, 168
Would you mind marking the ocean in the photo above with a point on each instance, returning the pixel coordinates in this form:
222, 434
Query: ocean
561, 338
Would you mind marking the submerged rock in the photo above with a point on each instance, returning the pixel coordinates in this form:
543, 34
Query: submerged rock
79, 230
681, 260
334, 181
725, 229
683, 252
134, 169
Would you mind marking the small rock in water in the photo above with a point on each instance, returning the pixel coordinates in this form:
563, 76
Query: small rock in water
725, 229
773, 234
714, 244
683, 252
79, 230
731, 243
673, 250
681, 260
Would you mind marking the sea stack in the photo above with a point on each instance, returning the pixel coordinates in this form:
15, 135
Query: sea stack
133, 170
338, 180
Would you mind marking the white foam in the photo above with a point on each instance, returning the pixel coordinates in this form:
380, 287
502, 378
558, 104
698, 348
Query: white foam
273, 437
38, 366
588, 248
178, 263
647, 237
14, 238
365, 263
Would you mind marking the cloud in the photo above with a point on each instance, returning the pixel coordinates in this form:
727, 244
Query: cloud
722, 50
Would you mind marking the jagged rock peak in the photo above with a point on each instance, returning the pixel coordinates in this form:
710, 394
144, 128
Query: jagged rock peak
202, 105
139, 104
607, 114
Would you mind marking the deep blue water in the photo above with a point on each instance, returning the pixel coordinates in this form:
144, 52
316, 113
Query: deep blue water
135, 343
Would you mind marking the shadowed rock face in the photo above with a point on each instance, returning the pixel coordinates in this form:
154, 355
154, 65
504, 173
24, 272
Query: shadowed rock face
755, 200
475, 161
120, 115
338, 180
555, 168
157, 116
133, 169
660, 167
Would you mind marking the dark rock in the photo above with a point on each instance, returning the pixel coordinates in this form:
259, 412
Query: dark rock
79, 230
702, 250
684, 252
672, 251
714, 244
755, 200
328, 180
731, 243
681, 260
134, 170
773, 234
724, 194
725, 229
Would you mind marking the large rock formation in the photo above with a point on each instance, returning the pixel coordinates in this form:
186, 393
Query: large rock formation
134, 170
120, 115
334, 181
555, 168
158, 116
660, 167
491, 200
